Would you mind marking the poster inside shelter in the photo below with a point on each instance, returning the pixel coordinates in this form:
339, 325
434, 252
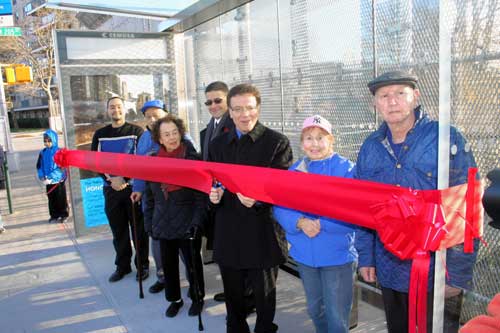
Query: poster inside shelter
93, 202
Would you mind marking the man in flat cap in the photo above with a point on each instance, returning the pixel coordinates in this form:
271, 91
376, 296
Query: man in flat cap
403, 151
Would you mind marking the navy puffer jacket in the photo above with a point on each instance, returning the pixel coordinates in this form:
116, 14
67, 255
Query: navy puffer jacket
172, 218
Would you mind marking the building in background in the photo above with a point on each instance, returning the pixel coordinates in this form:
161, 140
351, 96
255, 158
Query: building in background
31, 106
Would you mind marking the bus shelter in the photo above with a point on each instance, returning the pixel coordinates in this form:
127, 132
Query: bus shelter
306, 57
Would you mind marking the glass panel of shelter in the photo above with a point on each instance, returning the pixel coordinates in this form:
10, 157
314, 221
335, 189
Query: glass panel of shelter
316, 57
93, 67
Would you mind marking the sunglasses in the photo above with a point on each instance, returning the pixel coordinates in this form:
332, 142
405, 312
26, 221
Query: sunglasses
215, 100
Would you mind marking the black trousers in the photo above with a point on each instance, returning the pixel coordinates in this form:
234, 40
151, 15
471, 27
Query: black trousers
396, 311
263, 283
118, 208
170, 260
58, 203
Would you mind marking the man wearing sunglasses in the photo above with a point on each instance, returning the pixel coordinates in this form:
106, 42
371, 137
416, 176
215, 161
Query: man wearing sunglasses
216, 103
220, 122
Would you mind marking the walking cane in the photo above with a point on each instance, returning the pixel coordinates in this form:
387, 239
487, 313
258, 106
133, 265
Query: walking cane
137, 252
196, 285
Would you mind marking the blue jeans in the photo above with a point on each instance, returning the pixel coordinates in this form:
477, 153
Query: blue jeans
329, 295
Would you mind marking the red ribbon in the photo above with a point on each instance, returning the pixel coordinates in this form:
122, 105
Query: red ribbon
417, 297
471, 225
410, 223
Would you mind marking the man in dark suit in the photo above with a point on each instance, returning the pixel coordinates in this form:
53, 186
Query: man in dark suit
249, 244
215, 93
220, 122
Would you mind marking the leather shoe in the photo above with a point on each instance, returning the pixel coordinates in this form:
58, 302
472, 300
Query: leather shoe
174, 308
250, 309
62, 219
195, 308
144, 274
157, 287
119, 274
220, 297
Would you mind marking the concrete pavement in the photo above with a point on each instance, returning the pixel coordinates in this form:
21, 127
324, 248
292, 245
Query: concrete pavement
52, 282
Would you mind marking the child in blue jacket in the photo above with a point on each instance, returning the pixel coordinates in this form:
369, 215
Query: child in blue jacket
322, 247
53, 177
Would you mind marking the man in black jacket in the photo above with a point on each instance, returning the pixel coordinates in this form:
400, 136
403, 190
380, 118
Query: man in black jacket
216, 103
121, 137
249, 243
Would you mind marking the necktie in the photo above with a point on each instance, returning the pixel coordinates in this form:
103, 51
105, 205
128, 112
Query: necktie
213, 131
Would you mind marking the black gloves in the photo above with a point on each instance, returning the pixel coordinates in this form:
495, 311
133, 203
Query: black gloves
193, 232
491, 198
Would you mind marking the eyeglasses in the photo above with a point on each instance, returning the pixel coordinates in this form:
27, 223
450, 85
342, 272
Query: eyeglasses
217, 100
240, 109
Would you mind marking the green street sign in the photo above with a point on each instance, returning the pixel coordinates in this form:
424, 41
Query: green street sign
10, 31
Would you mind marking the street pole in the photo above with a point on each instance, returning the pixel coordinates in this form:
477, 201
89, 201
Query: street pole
4, 114
7, 139
7, 183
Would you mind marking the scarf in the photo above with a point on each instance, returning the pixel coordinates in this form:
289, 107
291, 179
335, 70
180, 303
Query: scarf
179, 152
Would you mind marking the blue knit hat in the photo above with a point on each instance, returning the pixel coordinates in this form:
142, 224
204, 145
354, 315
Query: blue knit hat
155, 103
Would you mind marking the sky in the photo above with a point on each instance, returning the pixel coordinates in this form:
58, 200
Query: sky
166, 7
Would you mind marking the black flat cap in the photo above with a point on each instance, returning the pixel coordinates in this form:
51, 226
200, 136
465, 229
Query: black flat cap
395, 77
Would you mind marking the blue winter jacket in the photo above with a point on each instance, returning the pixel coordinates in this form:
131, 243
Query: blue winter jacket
46, 167
145, 146
334, 245
415, 167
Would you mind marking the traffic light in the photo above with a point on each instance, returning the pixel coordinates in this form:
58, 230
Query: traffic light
16, 74
10, 75
23, 74
491, 198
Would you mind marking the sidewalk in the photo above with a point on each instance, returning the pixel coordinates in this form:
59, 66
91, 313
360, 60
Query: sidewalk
52, 282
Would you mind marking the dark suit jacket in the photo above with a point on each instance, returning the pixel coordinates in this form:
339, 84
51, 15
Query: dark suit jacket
249, 238
225, 125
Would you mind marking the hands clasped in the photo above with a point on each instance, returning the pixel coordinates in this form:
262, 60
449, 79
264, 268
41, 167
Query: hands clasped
117, 183
310, 227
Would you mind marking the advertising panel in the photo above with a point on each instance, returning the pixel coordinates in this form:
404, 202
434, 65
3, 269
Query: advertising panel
93, 202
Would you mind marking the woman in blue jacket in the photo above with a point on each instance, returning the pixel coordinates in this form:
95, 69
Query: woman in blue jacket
53, 177
322, 247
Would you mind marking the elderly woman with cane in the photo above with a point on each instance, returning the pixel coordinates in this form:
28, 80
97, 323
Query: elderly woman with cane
176, 214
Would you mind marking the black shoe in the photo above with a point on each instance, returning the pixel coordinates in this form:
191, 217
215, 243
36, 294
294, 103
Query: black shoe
250, 309
174, 308
157, 287
144, 274
220, 297
62, 219
119, 274
195, 309
53, 220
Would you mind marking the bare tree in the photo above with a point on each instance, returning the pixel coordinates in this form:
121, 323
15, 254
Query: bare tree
36, 49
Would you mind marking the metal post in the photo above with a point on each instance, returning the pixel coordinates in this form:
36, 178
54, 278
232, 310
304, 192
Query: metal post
7, 182
443, 153
3, 113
